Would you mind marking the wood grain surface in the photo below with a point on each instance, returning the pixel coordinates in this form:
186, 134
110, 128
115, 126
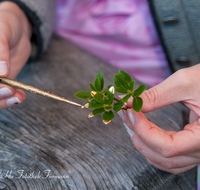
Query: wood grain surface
50, 145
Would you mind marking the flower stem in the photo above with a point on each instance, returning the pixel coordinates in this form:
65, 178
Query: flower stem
117, 100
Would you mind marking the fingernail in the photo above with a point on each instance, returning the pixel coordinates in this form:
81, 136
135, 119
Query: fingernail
130, 132
3, 68
5, 92
121, 114
13, 101
131, 116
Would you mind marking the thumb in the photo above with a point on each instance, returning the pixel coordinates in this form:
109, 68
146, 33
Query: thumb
169, 91
4, 57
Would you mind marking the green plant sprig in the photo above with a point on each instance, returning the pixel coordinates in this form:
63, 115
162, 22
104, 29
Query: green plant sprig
103, 101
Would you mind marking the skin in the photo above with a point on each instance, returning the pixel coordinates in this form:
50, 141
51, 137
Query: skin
174, 152
170, 151
15, 46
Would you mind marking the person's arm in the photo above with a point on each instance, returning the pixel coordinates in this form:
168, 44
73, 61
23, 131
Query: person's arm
171, 151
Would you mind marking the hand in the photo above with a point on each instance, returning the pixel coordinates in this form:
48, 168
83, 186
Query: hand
170, 151
15, 48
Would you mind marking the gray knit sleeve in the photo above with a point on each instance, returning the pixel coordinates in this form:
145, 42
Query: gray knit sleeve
41, 14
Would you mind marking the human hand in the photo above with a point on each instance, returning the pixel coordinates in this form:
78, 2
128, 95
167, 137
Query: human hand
170, 151
15, 48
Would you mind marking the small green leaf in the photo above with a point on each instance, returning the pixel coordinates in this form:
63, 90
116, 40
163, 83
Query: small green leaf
99, 97
117, 80
106, 101
137, 104
110, 85
110, 97
83, 94
98, 111
125, 75
120, 82
140, 90
97, 84
121, 90
100, 75
132, 84
125, 98
107, 116
95, 104
118, 106
92, 87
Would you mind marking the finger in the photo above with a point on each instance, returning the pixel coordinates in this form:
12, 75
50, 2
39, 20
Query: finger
19, 56
14, 100
158, 159
166, 143
22, 94
4, 57
171, 90
172, 171
6, 91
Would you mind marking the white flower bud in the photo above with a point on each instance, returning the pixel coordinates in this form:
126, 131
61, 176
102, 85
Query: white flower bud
107, 109
86, 105
93, 93
124, 105
106, 122
90, 115
112, 89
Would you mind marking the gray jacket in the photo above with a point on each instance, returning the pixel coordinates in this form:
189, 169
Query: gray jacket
178, 26
177, 23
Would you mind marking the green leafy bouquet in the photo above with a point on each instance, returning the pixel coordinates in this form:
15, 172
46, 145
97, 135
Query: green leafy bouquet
103, 101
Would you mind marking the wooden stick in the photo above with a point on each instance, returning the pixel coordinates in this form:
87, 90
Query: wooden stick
37, 91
